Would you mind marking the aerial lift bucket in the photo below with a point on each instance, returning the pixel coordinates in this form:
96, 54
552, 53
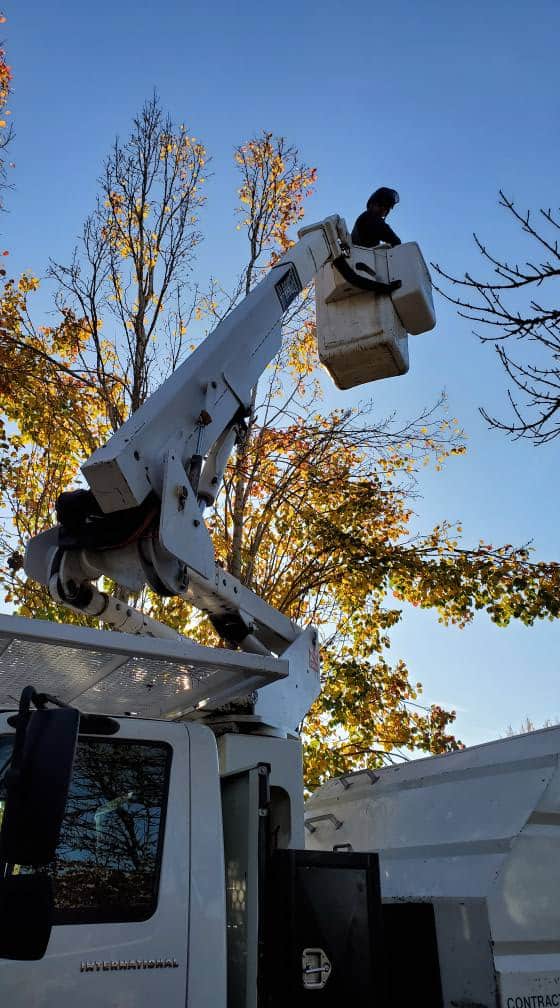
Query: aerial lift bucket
362, 336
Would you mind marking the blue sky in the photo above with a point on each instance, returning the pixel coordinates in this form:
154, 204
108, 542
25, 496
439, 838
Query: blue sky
446, 102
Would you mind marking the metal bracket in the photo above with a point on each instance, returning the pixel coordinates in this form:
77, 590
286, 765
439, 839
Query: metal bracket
182, 531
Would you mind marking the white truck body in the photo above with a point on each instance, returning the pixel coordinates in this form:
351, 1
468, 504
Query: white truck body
473, 834
151, 790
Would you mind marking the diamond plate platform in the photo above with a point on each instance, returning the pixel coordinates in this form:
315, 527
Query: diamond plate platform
103, 671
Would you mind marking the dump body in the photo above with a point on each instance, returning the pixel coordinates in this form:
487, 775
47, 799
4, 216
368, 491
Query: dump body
474, 829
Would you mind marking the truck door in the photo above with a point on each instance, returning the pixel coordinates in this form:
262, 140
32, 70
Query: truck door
120, 934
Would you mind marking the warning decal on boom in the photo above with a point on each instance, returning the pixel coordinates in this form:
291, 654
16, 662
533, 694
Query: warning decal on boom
288, 288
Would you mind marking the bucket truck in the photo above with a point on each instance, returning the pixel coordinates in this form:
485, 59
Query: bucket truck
152, 838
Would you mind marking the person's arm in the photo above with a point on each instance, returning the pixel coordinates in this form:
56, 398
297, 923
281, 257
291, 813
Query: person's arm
388, 235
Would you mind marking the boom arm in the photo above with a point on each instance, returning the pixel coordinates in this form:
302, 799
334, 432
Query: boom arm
142, 521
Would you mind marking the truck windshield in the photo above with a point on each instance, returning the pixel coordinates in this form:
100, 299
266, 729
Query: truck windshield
107, 862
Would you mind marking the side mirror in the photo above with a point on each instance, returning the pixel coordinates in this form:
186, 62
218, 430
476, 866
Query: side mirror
37, 782
26, 910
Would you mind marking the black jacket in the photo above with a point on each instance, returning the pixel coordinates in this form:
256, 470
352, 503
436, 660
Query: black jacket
370, 230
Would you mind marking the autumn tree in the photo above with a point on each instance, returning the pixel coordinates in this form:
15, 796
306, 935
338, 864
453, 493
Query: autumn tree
52, 417
316, 510
71, 383
517, 311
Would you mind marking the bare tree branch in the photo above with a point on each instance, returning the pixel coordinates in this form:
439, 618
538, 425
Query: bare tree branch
501, 307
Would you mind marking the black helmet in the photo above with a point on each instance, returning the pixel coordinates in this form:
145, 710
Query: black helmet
384, 197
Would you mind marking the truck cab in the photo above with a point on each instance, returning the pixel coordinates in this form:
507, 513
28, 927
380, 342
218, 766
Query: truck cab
133, 923
157, 870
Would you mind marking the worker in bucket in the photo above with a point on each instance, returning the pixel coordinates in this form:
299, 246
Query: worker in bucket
371, 228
